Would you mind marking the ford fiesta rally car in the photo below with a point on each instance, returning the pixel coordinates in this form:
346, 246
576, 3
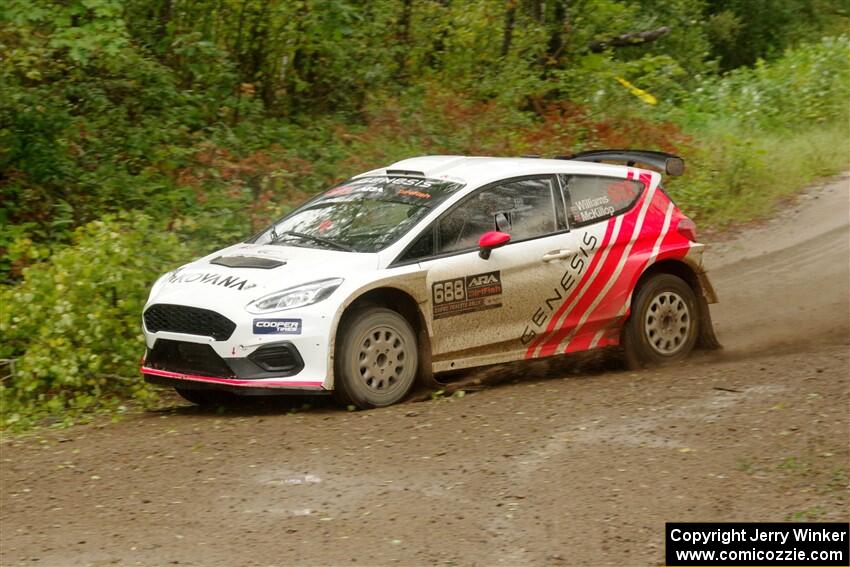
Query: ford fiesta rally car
434, 264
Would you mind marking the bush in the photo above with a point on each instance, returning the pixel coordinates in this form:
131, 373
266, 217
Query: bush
737, 176
761, 133
808, 85
72, 326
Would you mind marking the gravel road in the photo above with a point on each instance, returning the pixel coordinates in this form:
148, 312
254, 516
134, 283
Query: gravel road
570, 465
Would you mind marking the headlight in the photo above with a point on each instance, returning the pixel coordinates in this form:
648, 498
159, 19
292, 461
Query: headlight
293, 297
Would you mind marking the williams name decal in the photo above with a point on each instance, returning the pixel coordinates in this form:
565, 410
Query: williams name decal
277, 326
591, 209
231, 282
571, 276
467, 294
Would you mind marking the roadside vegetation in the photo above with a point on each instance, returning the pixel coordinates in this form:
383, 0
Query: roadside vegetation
137, 134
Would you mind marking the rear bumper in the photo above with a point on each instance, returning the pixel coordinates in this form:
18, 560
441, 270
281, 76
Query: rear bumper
236, 385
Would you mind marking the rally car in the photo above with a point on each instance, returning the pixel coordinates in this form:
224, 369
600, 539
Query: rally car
437, 264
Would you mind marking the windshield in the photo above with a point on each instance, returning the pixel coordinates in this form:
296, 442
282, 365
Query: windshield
359, 215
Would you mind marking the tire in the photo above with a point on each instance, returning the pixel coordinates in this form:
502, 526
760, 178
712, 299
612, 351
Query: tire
376, 359
206, 398
663, 326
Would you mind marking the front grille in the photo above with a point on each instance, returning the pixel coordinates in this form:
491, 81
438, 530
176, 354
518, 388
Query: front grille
189, 320
279, 358
187, 358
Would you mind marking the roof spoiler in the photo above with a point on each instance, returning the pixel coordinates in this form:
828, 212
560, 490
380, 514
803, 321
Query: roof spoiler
664, 162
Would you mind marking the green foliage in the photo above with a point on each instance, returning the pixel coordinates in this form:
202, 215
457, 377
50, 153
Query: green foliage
808, 85
737, 175
765, 131
72, 326
743, 31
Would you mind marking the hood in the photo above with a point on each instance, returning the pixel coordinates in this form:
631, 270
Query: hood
245, 272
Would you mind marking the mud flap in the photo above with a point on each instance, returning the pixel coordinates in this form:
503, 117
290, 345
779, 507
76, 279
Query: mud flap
707, 339
425, 381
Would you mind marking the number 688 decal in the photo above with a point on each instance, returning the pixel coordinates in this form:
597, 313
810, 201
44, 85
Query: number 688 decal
466, 294
449, 290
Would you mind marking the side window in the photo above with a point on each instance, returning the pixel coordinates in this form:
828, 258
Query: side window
593, 199
422, 248
524, 209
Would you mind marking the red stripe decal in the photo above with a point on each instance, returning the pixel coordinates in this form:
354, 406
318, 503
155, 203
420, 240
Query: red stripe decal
673, 246
587, 290
593, 320
233, 381
553, 322
618, 248
607, 310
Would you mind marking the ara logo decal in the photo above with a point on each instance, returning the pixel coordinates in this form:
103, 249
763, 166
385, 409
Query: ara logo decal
277, 326
483, 279
231, 282
466, 295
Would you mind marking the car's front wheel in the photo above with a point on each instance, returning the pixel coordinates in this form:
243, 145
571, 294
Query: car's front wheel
376, 358
663, 325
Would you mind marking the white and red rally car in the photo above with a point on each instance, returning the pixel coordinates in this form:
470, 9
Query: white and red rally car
434, 264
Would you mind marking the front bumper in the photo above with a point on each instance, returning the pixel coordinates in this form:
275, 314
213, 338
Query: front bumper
249, 358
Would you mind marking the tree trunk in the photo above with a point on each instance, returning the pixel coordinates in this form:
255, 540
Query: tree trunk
237, 54
558, 30
403, 37
508, 32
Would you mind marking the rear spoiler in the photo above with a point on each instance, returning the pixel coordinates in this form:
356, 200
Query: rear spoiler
664, 162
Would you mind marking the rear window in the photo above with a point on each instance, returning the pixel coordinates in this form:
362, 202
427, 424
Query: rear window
592, 199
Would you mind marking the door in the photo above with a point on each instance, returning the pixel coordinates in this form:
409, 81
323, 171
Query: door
615, 234
489, 310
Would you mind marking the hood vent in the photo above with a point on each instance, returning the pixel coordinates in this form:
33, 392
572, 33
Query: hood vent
247, 262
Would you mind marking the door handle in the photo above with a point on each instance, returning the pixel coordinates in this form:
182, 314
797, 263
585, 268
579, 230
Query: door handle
557, 255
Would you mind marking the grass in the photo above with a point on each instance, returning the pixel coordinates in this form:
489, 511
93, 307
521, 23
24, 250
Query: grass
738, 177
809, 514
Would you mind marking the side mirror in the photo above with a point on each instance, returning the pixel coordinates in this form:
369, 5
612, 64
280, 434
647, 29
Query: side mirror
491, 240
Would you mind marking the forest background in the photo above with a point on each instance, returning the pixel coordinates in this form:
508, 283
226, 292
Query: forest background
138, 134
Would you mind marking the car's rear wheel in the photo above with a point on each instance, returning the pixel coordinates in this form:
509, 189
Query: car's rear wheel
206, 397
376, 358
663, 325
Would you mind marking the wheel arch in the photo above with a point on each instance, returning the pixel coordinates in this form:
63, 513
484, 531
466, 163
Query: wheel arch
702, 288
677, 268
403, 303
